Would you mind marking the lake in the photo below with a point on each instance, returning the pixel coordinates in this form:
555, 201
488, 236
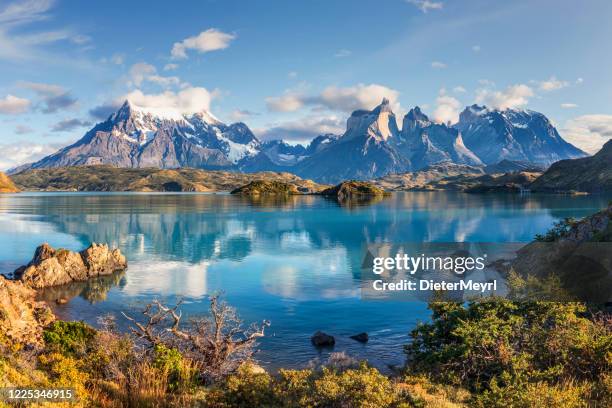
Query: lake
295, 262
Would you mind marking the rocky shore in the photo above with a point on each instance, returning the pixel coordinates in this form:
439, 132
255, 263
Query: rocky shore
51, 267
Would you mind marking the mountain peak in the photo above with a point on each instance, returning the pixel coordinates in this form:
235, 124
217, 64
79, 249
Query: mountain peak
415, 114
383, 107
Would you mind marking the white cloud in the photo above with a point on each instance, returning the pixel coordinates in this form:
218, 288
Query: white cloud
24, 12
476, 48
42, 89
343, 53
303, 129
579, 81
53, 97
15, 154
188, 100
239, 115
209, 40
459, 89
552, 84
345, 99
426, 5
569, 105
356, 97
170, 67
141, 72
512, 97
284, 103
438, 65
14, 45
588, 132
447, 109
292, 74
13, 105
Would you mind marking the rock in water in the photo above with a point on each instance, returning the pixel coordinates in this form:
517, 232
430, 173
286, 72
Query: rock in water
100, 260
361, 337
320, 339
266, 187
353, 190
50, 267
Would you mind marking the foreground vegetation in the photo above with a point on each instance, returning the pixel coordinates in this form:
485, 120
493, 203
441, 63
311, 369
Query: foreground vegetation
491, 353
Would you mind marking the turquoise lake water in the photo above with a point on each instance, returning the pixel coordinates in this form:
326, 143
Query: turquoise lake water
294, 262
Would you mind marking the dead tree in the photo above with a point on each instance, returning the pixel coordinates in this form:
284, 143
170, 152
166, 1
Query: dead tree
217, 343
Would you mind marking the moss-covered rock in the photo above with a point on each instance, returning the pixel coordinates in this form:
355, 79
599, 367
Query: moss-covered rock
354, 190
265, 187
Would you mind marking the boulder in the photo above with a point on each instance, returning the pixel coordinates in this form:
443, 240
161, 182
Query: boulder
320, 339
22, 318
100, 260
361, 337
50, 267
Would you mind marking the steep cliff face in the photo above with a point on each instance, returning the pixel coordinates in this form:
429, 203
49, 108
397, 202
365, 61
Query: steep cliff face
364, 151
426, 143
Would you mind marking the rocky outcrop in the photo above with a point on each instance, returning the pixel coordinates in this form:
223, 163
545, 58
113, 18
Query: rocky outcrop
590, 174
50, 267
265, 187
577, 253
320, 339
22, 318
7, 185
348, 190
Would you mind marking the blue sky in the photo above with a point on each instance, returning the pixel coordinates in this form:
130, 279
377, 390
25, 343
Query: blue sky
294, 69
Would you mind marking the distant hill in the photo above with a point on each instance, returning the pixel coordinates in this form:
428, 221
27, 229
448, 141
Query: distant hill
589, 174
107, 178
487, 183
7, 185
509, 166
419, 178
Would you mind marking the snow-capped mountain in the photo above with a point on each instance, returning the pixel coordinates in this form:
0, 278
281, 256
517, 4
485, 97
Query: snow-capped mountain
372, 146
518, 135
140, 137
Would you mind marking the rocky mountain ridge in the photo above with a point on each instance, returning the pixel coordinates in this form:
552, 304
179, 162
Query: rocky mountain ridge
372, 146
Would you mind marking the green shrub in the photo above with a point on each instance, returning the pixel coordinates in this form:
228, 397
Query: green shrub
179, 371
559, 230
69, 338
495, 347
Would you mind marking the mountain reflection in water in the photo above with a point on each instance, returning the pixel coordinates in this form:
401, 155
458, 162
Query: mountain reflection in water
295, 261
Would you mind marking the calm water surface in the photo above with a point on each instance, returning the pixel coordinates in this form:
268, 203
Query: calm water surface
294, 262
